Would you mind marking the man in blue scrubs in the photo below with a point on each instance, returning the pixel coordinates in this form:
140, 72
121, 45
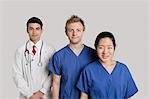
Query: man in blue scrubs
106, 78
68, 62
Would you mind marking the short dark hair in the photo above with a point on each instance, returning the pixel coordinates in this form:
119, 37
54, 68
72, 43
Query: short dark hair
104, 35
34, 20
72, 19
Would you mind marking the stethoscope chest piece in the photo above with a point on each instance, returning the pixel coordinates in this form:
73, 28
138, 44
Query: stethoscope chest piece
40, 64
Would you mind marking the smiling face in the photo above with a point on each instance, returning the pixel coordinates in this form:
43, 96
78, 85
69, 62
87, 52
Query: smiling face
75, 32
105, 50
34, 30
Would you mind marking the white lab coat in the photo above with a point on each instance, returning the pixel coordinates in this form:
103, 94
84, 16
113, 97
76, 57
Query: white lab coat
30, 78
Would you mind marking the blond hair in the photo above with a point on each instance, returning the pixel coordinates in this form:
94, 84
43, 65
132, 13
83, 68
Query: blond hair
72, 19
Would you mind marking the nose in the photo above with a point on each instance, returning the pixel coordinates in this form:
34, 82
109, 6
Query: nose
74, 32
34, 31
105, 50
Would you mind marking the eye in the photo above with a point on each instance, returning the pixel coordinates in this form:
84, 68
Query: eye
78, 30
100, 47
30, 28
69, 30
38, 28
110, 47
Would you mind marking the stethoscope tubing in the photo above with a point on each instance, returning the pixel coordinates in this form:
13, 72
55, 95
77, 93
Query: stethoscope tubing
27, 51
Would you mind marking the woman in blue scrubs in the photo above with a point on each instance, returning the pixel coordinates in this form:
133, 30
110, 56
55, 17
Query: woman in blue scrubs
106, 78
68, 62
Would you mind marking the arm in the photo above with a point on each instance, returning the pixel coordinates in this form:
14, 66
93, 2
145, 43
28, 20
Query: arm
37, 95
55, 86
46, 85
18, 76
131, 86
83, 96
83, 84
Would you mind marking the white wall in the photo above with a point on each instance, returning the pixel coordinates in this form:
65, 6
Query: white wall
127, 19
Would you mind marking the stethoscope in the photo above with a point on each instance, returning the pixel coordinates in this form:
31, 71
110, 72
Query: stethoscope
26, 52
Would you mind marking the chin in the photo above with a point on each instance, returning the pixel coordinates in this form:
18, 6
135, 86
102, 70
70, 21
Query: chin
105, 60
75, 42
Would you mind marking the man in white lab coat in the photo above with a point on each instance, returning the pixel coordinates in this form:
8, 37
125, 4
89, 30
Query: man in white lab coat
30, 72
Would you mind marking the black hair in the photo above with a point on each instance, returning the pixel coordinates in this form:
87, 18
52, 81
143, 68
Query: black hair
104, 35
34, 20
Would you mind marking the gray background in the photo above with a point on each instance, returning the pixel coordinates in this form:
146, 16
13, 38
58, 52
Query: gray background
127, 19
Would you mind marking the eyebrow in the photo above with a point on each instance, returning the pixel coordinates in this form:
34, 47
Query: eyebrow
106, 45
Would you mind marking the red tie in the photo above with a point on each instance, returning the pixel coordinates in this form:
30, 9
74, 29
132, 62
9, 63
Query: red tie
33, 50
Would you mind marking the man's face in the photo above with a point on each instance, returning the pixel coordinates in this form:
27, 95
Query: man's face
75, 32
34, 30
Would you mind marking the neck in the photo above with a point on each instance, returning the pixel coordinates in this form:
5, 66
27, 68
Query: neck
76, 46
35, 41
108, 63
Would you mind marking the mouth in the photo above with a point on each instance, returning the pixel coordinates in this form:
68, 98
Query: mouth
74, 37
105, 56
34, 35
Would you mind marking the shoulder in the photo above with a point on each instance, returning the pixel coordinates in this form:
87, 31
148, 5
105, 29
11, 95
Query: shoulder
48, 48
19, 52
89, 48
21, 49
121, 64
90, 70
91, 66
123, 67
61, 51
58, 56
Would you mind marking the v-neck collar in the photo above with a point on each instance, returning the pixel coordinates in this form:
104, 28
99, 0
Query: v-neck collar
114, 69
74, 52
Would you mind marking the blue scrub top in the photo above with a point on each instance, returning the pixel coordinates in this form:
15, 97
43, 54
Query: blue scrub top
69, 66
99, 84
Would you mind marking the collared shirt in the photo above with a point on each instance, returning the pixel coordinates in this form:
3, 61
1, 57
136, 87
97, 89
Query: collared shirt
37, 48
28, 76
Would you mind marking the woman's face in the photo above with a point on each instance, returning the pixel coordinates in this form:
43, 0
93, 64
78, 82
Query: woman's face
105, 50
